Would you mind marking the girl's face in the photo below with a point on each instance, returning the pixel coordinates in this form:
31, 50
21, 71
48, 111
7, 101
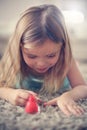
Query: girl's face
40, 58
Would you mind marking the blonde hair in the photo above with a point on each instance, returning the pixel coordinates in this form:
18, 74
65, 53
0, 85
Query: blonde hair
37, 24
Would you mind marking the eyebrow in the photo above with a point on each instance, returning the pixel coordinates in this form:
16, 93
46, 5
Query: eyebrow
53, 53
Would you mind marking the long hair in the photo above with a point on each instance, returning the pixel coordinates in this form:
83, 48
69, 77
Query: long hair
37, 24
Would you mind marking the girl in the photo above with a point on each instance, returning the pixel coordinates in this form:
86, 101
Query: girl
38, 59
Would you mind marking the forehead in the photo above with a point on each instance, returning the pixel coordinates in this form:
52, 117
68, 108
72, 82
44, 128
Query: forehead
47, 47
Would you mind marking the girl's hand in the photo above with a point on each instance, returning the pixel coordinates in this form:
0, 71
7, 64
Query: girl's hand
19, 96
67, 105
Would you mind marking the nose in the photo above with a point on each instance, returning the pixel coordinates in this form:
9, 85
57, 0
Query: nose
41, 64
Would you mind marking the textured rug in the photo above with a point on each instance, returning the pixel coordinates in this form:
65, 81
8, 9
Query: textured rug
50, 118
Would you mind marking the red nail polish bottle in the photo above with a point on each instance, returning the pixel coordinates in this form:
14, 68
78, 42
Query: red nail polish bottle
32, 106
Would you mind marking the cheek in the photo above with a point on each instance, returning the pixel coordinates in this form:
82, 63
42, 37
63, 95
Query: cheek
54, 61
27, 60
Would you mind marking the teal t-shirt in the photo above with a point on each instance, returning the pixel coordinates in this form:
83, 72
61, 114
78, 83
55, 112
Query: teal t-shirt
34, 84
30, 83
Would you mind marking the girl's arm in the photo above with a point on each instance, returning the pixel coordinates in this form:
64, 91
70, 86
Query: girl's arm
15, 96
66, 101
77, 82
75, 75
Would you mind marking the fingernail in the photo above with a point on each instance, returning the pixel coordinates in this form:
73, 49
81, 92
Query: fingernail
45, 104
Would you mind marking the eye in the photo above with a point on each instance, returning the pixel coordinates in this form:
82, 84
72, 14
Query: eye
51, 56
31, 56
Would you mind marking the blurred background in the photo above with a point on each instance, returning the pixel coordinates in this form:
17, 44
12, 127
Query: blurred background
74, 11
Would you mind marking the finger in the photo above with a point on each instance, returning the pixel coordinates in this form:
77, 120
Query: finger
39, 100
31, 92
76, 109
21, 102
35, 95
64, 109
24, 95
79, 110
51, 102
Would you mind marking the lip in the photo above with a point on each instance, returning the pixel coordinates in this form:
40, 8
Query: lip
41, 69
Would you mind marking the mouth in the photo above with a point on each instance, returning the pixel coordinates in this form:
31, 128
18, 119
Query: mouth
42, 70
